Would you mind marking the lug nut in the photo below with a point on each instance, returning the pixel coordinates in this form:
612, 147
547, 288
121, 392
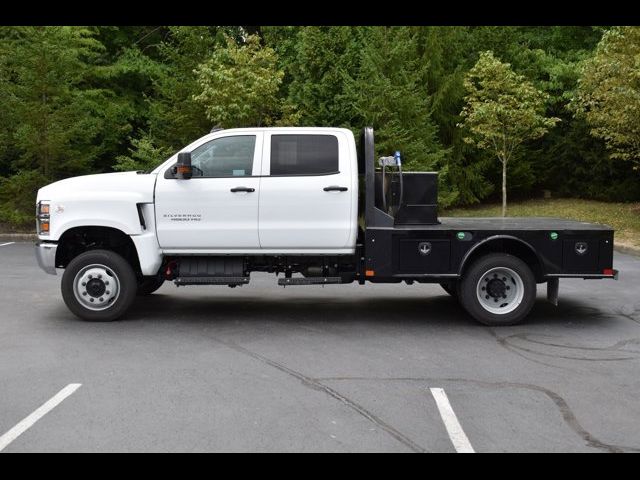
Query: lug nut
504, 279
495, 299
84, 284
107, 292
508, 287
84, 294
91, 299
106, 283
483, 289
101, 299
100, 276
89, 276
487, 297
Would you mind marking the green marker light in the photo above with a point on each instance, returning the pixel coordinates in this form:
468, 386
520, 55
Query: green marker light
554, 235
460, 235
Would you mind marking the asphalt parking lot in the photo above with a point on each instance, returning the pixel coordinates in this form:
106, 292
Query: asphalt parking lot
340, 368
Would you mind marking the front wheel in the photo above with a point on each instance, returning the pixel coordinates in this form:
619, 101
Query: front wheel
498, 289
99, 286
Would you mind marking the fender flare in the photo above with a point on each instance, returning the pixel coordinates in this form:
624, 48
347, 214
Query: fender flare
493, 238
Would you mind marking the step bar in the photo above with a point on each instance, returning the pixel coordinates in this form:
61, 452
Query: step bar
211, 281
309, 281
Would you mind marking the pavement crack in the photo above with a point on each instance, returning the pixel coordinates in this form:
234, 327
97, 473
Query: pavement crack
526, 337
503, 343
629, 316
315, 384
565, 411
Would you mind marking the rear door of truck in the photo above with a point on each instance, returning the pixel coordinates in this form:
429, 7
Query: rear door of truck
306, 191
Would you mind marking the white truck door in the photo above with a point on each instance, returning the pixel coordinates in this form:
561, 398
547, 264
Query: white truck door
306, 192
217, 209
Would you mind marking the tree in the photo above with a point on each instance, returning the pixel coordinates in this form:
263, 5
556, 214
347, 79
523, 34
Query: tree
58, 113
320, 58
390, 92
239, 86
57, 120
175, 118
144, 155
609, 93
502, 111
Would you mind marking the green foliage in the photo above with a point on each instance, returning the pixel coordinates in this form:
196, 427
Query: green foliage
320, 58
175, 118
56, 119
502, 111
609, 93
390, 92
17, 197
56, 116
143, 156
239, 85
77, 100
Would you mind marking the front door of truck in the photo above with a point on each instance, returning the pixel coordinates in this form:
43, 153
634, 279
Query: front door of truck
306, 192
217, 209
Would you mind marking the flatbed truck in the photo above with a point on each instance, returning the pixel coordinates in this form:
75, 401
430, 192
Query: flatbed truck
308, 205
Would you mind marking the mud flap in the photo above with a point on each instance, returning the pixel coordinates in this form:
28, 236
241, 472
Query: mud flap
553, 286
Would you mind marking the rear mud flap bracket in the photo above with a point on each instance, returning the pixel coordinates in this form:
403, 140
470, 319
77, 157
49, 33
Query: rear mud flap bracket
553, 286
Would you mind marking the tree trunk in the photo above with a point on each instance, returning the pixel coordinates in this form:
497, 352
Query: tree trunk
504, 187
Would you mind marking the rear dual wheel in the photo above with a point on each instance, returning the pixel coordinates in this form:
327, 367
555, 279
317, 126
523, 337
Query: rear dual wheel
498, 289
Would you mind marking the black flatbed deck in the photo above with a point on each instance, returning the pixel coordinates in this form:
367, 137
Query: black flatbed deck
508, 223
414, 244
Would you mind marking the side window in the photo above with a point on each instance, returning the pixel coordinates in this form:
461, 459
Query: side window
304, 154
224, 157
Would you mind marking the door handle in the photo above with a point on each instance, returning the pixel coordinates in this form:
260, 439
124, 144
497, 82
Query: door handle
335, 188
243, 189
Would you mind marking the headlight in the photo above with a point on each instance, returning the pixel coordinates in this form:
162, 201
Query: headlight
43, 217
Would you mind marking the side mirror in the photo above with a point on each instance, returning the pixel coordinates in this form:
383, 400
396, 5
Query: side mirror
183, 168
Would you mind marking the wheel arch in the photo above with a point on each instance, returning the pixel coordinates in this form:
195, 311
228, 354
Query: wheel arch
506, 244
77, 240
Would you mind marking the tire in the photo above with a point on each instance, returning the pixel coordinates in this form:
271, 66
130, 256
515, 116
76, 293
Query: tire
148, 285
99, 286
451, 288
508, 283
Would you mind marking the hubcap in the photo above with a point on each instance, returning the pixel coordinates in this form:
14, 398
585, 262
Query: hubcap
96, 287
500, 290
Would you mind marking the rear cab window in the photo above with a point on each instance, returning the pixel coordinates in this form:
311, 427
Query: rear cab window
300, 154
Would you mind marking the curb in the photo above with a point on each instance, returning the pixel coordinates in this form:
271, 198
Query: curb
18, 237
628, 250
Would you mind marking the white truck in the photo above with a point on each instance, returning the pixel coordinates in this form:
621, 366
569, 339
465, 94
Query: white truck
304, 203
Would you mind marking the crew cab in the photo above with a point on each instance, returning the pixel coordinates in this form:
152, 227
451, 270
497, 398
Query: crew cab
307, 205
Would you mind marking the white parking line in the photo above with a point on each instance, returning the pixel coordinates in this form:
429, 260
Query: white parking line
25, 424
5, 244
454, 429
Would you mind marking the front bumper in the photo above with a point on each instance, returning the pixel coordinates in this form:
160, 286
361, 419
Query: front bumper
46, 256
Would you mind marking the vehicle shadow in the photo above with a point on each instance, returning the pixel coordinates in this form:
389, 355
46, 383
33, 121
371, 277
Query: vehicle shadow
410, 311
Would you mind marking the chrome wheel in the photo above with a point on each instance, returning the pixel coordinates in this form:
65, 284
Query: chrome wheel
500, 290
96, 287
